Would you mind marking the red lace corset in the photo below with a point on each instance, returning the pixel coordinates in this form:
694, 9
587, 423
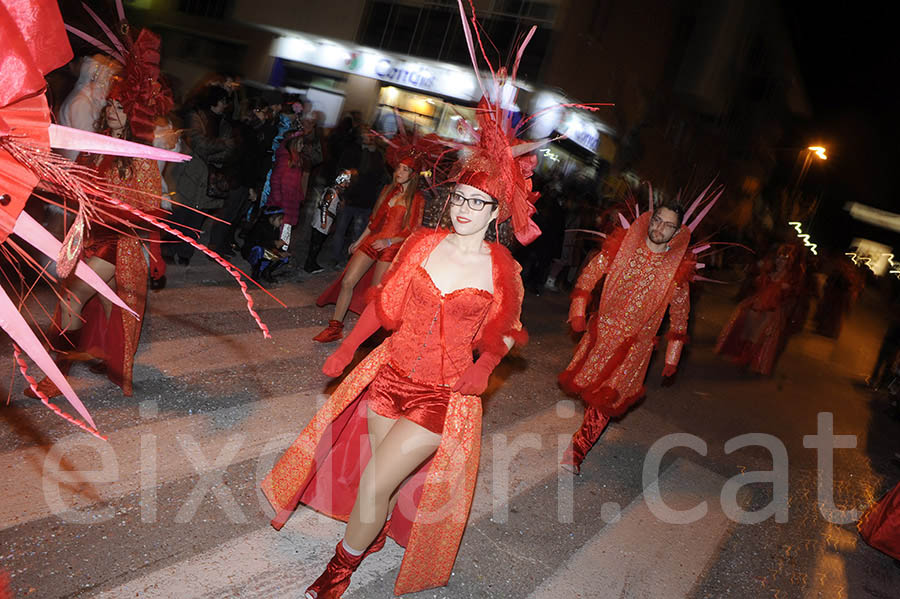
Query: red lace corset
434, 342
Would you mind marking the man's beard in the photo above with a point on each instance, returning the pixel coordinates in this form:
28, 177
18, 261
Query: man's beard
658, 237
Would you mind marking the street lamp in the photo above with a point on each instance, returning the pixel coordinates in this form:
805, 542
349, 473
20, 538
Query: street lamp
818, 151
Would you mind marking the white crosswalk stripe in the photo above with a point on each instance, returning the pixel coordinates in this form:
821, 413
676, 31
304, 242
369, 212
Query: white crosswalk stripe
640, 555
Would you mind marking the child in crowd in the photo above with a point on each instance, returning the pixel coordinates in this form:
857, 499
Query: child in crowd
287, 178
264, 249
323, 219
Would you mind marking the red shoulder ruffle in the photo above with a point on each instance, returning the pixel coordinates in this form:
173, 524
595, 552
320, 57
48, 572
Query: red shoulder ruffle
687, 269
405, 261
612, 243
504, 321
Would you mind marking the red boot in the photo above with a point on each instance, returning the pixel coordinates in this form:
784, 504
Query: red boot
333, 332
336, 577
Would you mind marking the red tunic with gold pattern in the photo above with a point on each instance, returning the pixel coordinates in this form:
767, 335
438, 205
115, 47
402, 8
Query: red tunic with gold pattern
114, 339
432, 345
610, 361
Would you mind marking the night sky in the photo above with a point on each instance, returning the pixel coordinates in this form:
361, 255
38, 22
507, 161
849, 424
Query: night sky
848, 55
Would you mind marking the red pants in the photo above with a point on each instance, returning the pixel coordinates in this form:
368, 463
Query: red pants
592, 427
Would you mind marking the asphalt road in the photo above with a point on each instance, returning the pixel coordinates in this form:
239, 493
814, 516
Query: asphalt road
169, 507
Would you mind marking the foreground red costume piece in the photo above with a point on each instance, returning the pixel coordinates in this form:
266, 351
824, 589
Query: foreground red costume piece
322, 467
880, 526
34, 43
759, 327
610, 362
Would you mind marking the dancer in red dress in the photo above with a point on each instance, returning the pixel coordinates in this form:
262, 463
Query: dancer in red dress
397, 213
447, 294
759, 326
648, 267
86, 327
395, 450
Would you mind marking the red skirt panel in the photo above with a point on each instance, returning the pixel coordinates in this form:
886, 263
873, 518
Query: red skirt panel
341, 458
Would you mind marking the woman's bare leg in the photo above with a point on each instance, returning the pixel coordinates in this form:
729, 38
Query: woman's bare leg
356, 268
380, 268
70, 311
379, 427
403, 449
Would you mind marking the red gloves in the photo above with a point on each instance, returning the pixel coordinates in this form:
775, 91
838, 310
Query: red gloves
367, 324
475, 379
578, 323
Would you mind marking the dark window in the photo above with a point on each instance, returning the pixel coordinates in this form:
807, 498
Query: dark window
401, 29
214, 9
376, 24
432, 31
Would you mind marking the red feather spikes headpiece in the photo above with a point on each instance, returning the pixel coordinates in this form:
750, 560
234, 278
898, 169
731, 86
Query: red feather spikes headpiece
138, 87
499, 163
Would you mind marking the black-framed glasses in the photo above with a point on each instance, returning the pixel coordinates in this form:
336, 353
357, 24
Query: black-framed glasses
656, 221
475, 204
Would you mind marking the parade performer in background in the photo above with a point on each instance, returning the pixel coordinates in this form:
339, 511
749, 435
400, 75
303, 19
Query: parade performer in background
86, 328
648, 265
323, 219
758, 328
395, 449
35, 43
83, 106
842, 288
397, 213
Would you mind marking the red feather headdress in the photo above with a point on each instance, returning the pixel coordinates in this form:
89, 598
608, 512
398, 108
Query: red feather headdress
498, 162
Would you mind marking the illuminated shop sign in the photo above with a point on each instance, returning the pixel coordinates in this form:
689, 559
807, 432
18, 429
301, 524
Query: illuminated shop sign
431, 77
582, 132
386, 70
550, 116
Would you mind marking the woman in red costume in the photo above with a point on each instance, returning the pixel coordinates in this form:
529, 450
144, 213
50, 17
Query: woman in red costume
87, 327
395, 450
397, 213
757, 330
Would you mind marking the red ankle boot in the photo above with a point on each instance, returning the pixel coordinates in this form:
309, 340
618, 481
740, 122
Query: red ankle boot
333, 332
336, 577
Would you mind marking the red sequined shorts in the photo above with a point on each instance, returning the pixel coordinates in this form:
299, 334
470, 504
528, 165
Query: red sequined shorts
393, 395
385, 255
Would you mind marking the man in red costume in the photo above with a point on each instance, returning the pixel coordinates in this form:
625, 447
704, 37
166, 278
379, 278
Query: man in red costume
647, 268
